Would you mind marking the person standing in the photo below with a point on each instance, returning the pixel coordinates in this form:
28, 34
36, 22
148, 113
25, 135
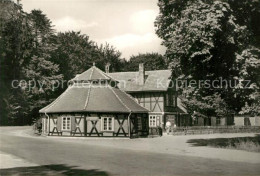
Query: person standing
168, 126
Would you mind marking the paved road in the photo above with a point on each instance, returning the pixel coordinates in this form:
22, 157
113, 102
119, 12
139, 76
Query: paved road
66, 158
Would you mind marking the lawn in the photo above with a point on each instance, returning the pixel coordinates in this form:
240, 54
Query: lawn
251, 144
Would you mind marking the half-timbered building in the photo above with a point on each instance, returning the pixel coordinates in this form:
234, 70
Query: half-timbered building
93, 106
155, 91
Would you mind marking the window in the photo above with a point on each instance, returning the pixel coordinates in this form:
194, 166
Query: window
107, 123
66, 123
152, 121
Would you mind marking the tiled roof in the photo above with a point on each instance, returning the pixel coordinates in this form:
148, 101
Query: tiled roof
94, 99
93, 73
91, 97
157, 80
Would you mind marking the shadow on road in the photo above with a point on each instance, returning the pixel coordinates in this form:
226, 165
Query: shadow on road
55, 169
223, 142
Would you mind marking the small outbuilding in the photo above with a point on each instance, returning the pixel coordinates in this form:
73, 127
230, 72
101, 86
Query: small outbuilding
93, 106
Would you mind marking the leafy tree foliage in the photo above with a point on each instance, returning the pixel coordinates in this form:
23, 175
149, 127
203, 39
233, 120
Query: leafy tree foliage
211, 105
74, 54
24, 56
211, 39
31, 51
152, 61
109, 55
11, 54
41, 76
41, 33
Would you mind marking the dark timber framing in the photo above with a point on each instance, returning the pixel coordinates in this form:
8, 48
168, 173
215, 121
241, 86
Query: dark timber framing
90, 128
78, 125
120, 126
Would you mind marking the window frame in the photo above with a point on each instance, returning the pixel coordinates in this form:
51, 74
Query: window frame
67, 124
152, 120
103, 119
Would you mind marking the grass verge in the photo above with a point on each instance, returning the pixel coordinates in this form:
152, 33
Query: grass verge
251, 144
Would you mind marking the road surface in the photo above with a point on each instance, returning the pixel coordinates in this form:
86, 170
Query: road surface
58, 157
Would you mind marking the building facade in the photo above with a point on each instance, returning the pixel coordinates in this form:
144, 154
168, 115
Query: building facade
93, 106
155, 91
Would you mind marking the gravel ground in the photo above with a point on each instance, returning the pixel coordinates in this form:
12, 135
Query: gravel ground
176, 145
167, 155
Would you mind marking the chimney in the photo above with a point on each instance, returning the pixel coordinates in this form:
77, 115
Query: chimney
107, 67
141, 74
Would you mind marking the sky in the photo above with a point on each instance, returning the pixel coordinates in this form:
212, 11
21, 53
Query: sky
128, 25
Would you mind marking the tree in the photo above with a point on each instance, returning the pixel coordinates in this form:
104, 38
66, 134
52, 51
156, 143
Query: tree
247, 14
109, 55
42, 34
25, 42
12, 40
198, 36
74, 54
212, 105
42, 81
254, 108
152, 61
204, 41
249, 70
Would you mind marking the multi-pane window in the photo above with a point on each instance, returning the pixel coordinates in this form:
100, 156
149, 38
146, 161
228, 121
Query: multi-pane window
66, 123
152, 121
107, 124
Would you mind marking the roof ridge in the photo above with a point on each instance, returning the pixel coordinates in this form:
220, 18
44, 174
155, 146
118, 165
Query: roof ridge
77, 75
105, 74
90, 86
124, 72
100, 71
91, 73
138, 71
87, 99
119, 99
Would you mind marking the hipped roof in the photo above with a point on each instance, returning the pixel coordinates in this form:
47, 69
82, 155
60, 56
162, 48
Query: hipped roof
156, 80
94, 97
91, 74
